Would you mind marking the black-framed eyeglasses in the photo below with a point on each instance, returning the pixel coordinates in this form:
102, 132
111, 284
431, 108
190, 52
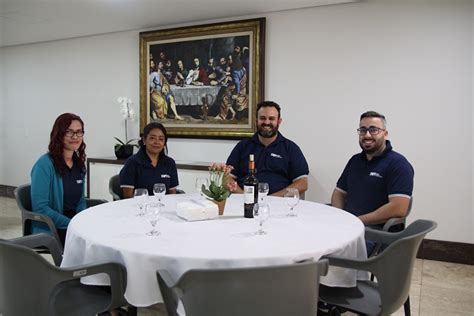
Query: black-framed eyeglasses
372, 130
71, 133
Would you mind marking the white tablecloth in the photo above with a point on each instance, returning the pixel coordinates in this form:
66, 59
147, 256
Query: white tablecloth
111, 231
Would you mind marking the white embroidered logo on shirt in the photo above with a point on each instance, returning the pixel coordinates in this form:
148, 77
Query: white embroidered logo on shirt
276, 155
78, 181
165, 176
375, 174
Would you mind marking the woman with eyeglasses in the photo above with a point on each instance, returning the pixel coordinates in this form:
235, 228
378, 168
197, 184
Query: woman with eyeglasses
57, 177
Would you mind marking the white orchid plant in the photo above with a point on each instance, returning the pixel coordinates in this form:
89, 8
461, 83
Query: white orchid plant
128, 114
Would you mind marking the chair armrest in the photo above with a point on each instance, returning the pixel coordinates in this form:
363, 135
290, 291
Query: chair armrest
381, 236
116, 272
323, 266
41, 240
347, 263
392, 222
94, 202
38, 217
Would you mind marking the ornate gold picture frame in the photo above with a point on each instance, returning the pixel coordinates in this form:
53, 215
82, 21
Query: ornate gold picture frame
203, 81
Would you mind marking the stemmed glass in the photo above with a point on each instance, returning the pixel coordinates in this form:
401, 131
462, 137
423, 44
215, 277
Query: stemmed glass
159, 190
261, 212
199, 183
140, 196
292, 197
152, 214
262, 191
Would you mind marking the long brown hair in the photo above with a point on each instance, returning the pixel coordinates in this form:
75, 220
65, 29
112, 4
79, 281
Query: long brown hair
56, 142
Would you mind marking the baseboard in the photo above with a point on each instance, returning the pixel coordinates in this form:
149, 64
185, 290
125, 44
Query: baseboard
7, 191
448, 251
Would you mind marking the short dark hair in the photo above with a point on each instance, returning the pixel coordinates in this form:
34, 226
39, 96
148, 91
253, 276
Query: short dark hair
265, 104
374, 114
147, 129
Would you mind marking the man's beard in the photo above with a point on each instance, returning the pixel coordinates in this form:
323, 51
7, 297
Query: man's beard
376, 147
267, 133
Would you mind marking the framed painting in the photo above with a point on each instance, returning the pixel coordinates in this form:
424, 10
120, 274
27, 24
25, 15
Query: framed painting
203, 81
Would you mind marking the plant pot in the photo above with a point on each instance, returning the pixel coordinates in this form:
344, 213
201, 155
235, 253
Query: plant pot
220, 206
123, 151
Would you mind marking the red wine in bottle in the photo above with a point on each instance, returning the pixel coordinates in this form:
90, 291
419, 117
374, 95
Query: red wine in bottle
250, 190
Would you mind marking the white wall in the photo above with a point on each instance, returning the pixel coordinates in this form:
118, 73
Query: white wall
411, 60
2, 116
472, 112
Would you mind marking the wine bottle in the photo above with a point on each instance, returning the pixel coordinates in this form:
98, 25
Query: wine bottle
250, 190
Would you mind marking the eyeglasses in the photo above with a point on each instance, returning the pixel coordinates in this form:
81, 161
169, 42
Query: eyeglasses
372, 130
71, 133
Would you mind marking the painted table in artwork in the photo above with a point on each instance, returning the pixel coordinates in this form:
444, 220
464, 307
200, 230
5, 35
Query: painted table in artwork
193, 95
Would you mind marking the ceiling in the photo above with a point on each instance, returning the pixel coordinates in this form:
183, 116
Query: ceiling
30, 21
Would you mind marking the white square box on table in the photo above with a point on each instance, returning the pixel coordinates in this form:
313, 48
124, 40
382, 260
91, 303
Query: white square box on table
193, 210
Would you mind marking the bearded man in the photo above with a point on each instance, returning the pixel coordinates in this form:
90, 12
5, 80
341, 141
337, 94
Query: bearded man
376, 184
278, 160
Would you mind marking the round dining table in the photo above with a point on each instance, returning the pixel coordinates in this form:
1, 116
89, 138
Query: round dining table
113, 232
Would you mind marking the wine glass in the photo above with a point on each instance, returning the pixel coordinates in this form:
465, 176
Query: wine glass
292, 197
140, 195
261, 212
199, 183
262, 191
152, 214
159, 190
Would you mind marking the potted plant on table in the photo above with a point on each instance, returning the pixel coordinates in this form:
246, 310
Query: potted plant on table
124, 149
218, 192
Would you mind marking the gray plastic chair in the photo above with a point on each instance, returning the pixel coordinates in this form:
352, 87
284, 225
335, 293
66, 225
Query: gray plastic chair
393, 269
393, 223
94, 202
23, 200
114, 188
264, 291
33, 286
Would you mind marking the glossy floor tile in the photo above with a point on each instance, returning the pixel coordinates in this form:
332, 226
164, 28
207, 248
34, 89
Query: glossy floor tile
438, 288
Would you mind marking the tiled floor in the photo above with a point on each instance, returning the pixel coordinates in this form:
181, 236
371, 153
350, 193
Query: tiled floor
438, 288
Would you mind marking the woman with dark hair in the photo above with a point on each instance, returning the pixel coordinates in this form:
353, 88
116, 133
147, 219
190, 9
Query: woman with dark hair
151, 164
57, 177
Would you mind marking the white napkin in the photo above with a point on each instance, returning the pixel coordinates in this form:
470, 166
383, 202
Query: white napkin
193, 210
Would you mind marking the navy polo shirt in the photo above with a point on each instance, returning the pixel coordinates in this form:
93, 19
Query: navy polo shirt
73, 186
369, 183
279, 164
138, 172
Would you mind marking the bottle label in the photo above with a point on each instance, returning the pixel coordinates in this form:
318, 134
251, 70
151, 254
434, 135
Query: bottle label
249, 194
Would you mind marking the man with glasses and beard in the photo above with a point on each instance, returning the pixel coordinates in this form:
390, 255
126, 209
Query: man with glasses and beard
377, 183
278, 161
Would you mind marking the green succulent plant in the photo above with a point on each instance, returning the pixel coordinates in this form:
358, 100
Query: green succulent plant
219, 174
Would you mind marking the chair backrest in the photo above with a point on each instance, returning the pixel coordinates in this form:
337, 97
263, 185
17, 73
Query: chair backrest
23, 200
94, 202
26, 281
263, 291
393, 267
114, 188
30, 285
